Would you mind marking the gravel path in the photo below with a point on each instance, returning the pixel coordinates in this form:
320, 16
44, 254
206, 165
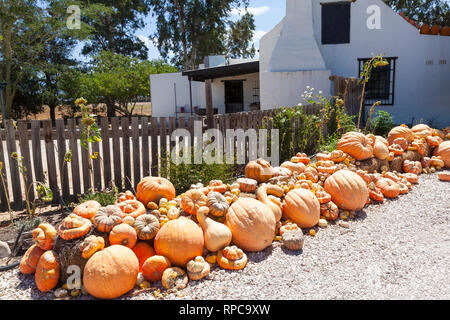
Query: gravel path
397, 250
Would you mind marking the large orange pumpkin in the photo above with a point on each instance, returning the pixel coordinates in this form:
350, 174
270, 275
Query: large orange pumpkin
179, 240
111, 272
400, 132
422, 130
356, 144
302, 207
347, 189
153, 189
124, 235
47, 271
444, 151
252, 224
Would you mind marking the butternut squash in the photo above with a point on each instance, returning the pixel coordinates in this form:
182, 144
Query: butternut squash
217, 235
262, 195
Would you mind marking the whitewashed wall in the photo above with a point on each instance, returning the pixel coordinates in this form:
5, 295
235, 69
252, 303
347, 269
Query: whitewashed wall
421, 91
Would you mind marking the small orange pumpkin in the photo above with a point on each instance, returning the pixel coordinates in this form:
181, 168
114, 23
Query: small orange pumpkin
107, 217
87, 209
91, 245
303, 158
154, 267
153, 189
389, 188
124, 235
412, 167
47, 271
329, 211
30, 260
247, 184
231, 258
133, 208
147, 226
143, 251
259, 170
44, 236
192, 200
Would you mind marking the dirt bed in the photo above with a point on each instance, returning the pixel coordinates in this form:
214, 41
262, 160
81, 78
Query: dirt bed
397, 250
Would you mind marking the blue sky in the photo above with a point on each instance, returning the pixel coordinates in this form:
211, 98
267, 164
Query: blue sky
267, 14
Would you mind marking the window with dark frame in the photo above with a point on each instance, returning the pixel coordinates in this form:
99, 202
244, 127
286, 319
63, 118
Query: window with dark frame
381, 85
335, 22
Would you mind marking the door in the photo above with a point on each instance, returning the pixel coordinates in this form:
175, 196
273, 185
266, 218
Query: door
234, 96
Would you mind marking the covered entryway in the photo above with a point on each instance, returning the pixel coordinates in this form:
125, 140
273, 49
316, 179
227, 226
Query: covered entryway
234, 96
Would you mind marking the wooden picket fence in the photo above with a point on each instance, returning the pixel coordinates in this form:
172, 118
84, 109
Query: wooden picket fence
131, 148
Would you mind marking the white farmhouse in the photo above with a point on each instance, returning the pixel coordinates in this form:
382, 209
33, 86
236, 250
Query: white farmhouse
317, 39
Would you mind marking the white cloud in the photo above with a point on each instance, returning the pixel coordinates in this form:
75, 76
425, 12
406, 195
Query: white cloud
258, 35
256, 11
147, 41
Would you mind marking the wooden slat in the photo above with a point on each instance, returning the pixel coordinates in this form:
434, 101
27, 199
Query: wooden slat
97, 166
163, 142
63, 171
75, 162
155, 133
51, 161
37, 150
4, 197
26, 160
116, 153
191, 129
85, 166
126, 151
14, 167
106, 152
136, 151
145, 147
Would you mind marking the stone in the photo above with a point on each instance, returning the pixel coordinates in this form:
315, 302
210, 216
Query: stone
344, 224
5, 251
323, 223
60, 293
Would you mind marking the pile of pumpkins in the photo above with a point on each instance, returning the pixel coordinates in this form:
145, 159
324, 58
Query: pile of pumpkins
156, 235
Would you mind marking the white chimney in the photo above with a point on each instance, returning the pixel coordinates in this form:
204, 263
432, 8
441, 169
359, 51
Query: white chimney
296, 48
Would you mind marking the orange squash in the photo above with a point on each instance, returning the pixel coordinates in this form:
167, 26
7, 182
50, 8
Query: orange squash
262, 195
87, 209
389, 188
302, 207
422, 130
73, 227
400, 132
443, 151
247, 184
143, 251
30, 259
111, 272
252, 224
153, 189
133, 208
192, 200
91, 245
259, 170
357, 145
298, 167
179, 240
124, 235
348, 190
44, 236
47, 271
154, 267
412, 167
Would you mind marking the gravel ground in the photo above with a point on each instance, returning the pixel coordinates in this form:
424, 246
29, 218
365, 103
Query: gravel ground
397, 250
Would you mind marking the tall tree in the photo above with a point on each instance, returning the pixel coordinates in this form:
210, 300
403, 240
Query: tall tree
189, 30
115, 25
423, 11
239, 37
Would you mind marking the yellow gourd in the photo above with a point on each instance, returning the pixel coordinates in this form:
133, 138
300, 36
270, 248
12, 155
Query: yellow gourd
216, 234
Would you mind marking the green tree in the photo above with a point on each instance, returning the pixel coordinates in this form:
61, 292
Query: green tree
239, 37
423, 11
115, 80
114, 27
189, 30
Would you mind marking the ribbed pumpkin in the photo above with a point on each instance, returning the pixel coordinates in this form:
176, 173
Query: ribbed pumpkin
152, 189
347, 189
87, 209
252, 224
179, 240
443, 151
30, 259
259, 170
147, 226
357, 145
153, 268
143, 251
192, 200
217, 204
133, 208
302, 207
47, 271
422, 130
400, 132
111, 272
107, 217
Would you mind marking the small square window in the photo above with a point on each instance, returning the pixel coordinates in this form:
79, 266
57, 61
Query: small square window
381, 84
335, 23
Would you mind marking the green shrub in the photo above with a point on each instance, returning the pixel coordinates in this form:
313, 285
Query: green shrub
105, 198
29, 223
382, 123
183, 175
